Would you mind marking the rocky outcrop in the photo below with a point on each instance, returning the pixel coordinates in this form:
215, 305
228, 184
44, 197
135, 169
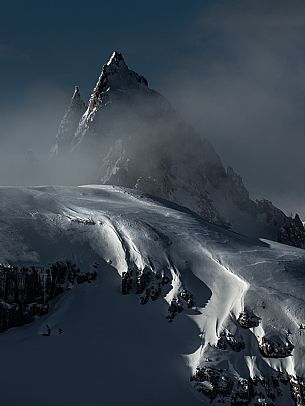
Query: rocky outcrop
144, 283
275, 349
229, 340
219, 385
149, 285
227, 386
297, 388
25, 292
213, 382
247, 320
292, 232
184, 299
126, 283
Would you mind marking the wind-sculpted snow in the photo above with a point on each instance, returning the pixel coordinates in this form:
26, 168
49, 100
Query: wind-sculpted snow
234, 304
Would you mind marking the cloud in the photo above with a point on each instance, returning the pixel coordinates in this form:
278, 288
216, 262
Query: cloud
27, 132
243, 87
261, 14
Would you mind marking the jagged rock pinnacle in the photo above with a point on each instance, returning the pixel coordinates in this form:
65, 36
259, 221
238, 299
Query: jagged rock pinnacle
116, 59
115, 75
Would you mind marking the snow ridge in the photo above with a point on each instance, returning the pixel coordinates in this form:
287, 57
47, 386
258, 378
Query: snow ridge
231, 305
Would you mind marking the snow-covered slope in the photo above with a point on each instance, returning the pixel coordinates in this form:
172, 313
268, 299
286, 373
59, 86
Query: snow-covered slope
131, 136
216, 306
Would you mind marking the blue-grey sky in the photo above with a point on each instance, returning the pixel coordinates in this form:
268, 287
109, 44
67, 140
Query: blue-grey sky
66, 42
234, 69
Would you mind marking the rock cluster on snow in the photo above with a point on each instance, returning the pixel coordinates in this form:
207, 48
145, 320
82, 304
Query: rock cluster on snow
275, 349
247, 320
297, 388
227, 339
292, 232
152, 286
218, 384
184, 299
145, 283
25, 292
213, 382
126, 283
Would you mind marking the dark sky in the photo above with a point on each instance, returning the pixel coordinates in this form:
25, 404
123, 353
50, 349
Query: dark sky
234, 69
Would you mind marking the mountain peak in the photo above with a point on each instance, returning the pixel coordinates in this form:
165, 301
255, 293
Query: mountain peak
115, 75
116, 59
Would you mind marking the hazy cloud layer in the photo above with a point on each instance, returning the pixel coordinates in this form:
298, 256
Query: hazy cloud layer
234, 69
27, 132
244, 88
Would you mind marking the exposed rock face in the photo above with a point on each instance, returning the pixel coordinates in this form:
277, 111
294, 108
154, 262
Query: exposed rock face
297, 388
126, 283
247, 320
131, 136
26, 292
227, 339
213, 382
218, 384
114, 71
292, 232
275, 349
151, 286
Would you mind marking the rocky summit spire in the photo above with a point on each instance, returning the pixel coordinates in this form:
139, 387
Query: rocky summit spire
116, 59
115, 75
69, 123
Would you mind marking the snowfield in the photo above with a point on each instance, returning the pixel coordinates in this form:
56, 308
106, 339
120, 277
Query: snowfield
116, 351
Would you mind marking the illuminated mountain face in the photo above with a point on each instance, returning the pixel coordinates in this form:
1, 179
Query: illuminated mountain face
129, 135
